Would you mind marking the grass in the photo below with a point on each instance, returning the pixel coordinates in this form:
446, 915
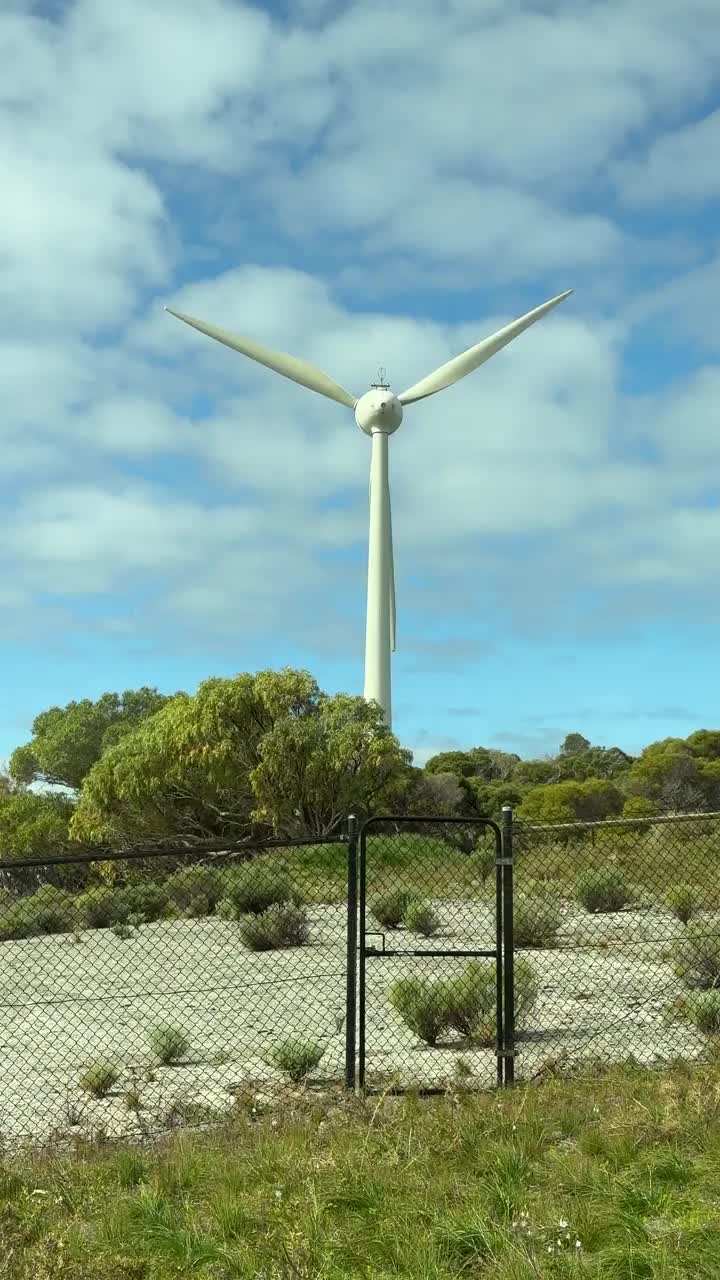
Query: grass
612, 1177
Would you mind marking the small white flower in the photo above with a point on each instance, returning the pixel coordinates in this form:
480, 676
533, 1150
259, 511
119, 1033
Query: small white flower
578, 1244
278, 1195
562, 1224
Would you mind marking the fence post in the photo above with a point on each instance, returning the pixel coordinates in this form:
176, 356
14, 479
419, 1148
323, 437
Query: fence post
508, 945
351, 962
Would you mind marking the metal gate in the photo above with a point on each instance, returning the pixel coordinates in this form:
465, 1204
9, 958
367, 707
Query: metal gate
440, 853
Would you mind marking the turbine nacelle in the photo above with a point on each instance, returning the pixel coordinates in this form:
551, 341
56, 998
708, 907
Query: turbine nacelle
378, 410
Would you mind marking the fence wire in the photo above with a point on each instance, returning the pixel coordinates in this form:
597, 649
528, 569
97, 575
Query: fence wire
142, 992
620, 922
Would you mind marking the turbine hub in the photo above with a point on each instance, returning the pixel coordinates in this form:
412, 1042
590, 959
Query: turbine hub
378, 410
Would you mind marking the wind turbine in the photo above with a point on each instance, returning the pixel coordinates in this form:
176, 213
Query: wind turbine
378, 413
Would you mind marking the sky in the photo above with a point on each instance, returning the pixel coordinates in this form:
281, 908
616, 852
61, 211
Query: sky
364, 185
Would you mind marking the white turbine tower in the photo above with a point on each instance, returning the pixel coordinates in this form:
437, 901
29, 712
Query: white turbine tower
378, 413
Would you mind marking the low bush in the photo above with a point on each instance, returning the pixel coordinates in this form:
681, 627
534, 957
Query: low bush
389, 908
420, 918
47, 911
195, 891
284, 924
422, 1007
102, 907
255, 886
296, 1058
697, 954
99, 1078
702, 1008
683, 902
465, 1004
147, 900
602, 889
470, 998
122, 931
536, 920
168, 1043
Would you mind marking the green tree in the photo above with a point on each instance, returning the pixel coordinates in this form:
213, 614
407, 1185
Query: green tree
573, 744
316, 768
35, 825
670, 775
455, 762
535, 773
588, 801
705, 743
245, 756
67, 741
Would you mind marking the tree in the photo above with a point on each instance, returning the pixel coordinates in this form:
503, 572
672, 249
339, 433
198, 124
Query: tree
67, 741
670, 775
574, 743
250, 756
589, 801
35, 825
705, 743
315, 769
444, 794
455, 762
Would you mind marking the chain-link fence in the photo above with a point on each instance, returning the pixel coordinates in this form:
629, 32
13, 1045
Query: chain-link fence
147, 989
144, 990
620, 922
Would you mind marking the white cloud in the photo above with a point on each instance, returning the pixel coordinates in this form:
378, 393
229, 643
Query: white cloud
427, 144
677, 167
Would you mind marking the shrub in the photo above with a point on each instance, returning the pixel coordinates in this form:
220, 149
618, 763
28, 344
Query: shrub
603, 889
99, 1079
15, 922
169, 1044
148, 900
701, 1008
49, 910
258, 885
297, 1058
536, 921
697, 954
470, 998
122, 931
389, 908
225, 909
683, 902
420, 918
422, 1007
283, 925
99, 908
196, 890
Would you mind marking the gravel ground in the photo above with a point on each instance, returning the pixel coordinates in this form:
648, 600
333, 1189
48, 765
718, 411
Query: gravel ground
65, 1004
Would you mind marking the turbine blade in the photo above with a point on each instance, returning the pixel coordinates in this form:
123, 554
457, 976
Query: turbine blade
289, 366
471, 359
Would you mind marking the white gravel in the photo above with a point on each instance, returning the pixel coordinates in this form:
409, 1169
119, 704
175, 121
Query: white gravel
65, 1004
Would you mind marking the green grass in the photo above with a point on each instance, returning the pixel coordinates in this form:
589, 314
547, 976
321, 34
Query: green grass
468, 1187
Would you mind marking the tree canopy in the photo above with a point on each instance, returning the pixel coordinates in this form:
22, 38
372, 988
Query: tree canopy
67, 741
250, 755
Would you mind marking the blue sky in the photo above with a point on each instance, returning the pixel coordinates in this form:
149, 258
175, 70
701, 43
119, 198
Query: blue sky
362, 185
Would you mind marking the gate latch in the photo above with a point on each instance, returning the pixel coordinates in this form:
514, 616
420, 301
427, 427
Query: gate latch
373, 951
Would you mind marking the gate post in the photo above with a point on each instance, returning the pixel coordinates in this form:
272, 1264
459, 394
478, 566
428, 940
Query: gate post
508, 943
351, 960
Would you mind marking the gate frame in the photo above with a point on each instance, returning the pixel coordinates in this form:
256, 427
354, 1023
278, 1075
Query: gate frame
358, 951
